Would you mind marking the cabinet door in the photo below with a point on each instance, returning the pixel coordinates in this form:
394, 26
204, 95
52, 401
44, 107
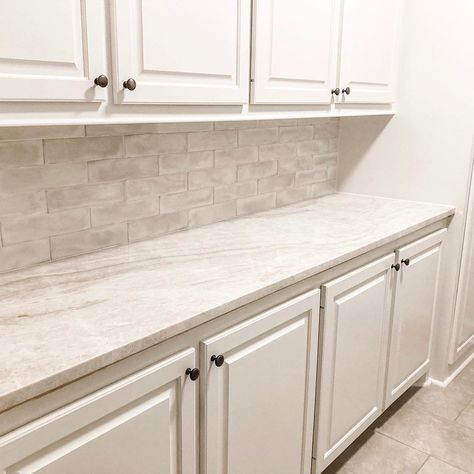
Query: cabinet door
368, 50
182, 51
414, 304
293, 51
52, 50
259, 405
145, 423
354, 350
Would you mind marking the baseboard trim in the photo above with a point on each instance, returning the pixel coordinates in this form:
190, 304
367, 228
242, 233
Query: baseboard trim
444, 383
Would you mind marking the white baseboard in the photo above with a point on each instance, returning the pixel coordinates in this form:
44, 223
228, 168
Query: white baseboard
444, 383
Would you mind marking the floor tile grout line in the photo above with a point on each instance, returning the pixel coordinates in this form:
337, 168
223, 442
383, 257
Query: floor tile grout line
401, 442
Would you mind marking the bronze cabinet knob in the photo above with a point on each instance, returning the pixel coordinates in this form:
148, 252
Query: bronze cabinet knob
347, 90
193, 373
218, 360
336, 91
130, 84
101, 81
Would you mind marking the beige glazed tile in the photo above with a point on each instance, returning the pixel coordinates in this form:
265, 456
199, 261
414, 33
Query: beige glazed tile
435, 466
235, 191
157, 225
155, 144
212, 140
37, 178
124, 211
87, 241
209, 214
259, 136
439, 437
171, 183
257, 170
277, 151
46, 131
23, 204
21, 153
212, 177
84, 195
24, 254
236, 156
38, 226
181, 162
124, 168
82, 149
188, 200
377, 454
256, 204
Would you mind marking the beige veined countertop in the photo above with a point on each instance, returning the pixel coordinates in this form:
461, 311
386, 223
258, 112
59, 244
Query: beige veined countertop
61, 321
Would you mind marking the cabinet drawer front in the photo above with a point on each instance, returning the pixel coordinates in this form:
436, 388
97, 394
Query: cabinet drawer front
416, 291
353, 353
182, 52
144, 423
57, 60
259, 404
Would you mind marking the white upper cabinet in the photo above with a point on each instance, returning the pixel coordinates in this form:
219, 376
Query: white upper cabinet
293, 51
181, 51
258, 381
368, 50
52, 50
413, 311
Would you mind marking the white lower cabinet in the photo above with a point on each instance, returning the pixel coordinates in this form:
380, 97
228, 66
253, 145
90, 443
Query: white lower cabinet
145, 423
376, 341
258, 395
413, 311
354, 347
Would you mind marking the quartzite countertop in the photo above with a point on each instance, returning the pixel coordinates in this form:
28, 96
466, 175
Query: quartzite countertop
63, 320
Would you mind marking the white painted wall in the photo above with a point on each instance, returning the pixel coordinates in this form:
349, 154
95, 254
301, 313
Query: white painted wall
425, 151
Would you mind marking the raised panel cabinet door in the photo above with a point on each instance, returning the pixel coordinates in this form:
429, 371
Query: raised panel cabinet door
145, 423
368, 51
355, 323
413, 311
294, 48
259, 400
182, 51
52, 50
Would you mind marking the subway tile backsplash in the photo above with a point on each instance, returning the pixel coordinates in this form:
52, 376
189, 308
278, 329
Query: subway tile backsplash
70, 190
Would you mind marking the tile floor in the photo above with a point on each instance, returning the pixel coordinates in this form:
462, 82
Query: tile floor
429, 430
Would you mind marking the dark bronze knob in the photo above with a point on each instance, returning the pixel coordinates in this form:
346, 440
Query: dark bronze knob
397, 267
193, 374
406, 261
347, 90
218, 360
336, 91
101, 81
130, 84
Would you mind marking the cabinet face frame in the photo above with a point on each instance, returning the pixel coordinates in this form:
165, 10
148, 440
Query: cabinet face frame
244, 340
417, 251
72, 80
155, 86
268, 88
344, 288
373, 91
42, 442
